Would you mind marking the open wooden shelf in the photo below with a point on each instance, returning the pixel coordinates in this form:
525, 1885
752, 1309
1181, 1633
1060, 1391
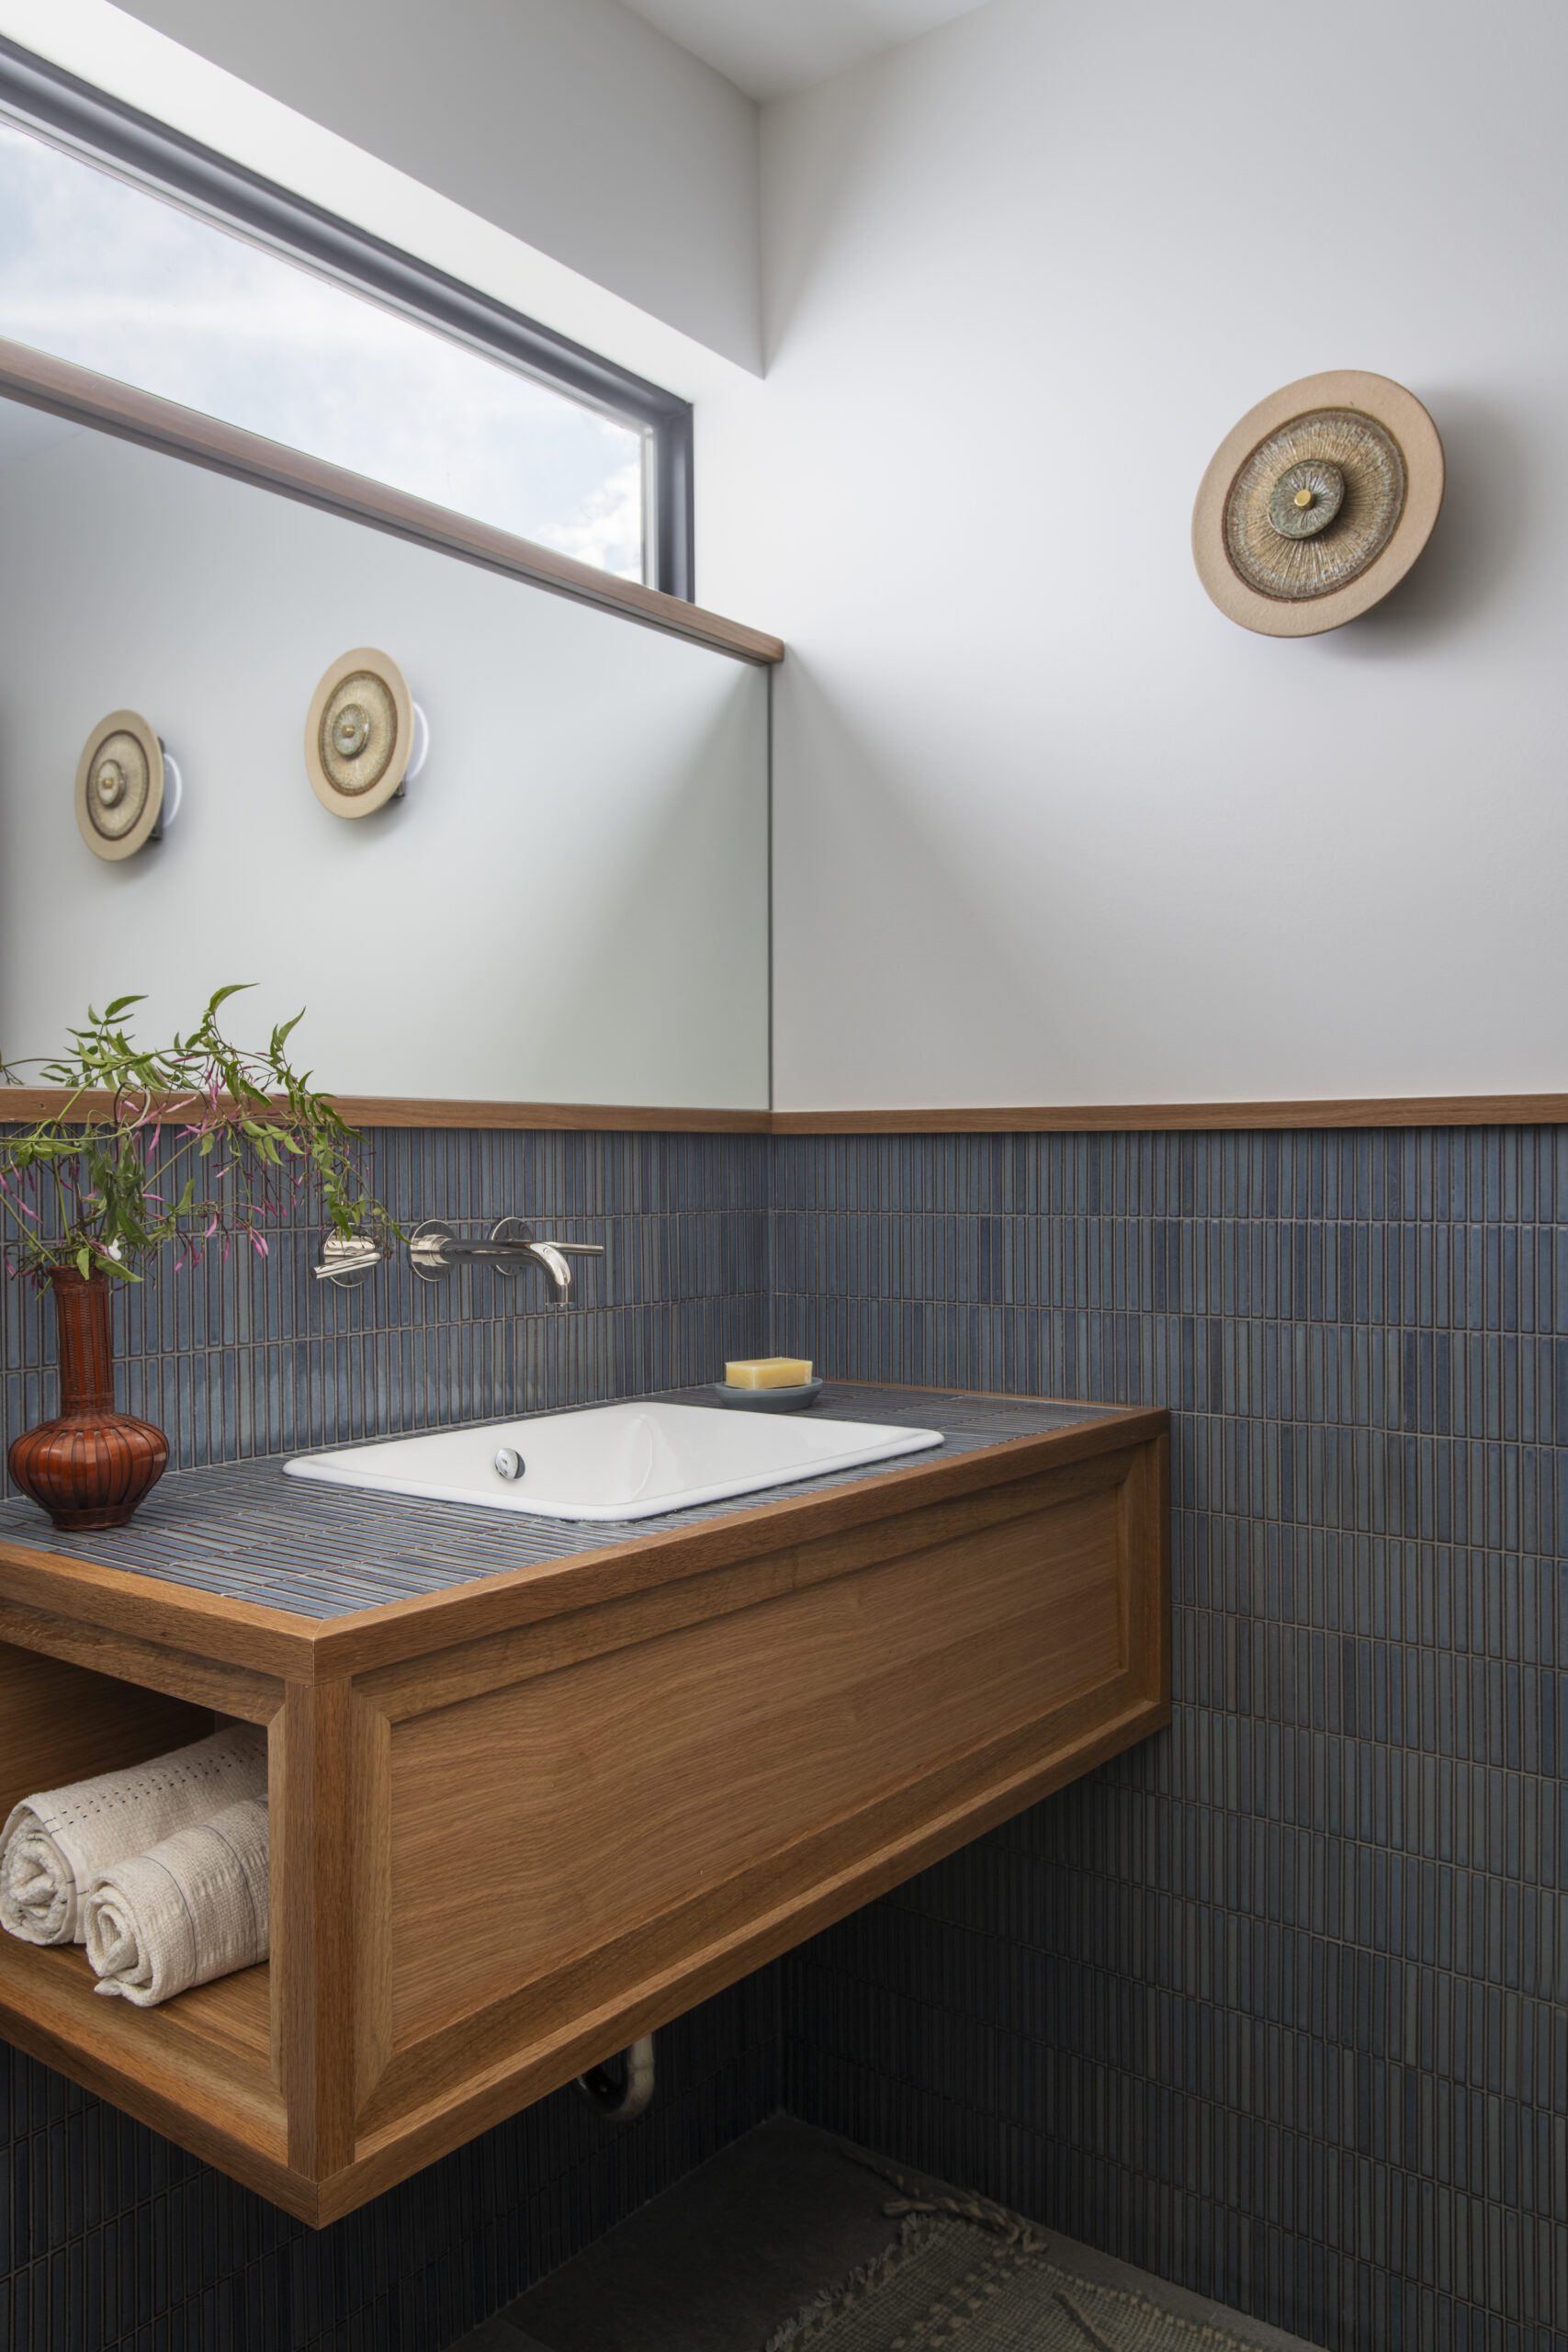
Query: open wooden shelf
235, 2014
647, 1770
199, 2069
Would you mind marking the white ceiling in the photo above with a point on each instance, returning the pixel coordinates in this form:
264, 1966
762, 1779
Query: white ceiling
769, 47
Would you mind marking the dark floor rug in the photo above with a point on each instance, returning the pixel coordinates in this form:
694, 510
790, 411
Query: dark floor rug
965, 2275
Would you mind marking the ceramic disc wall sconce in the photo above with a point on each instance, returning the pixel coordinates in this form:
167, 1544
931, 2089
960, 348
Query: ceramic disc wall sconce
128, 788
366, 737
1317, 503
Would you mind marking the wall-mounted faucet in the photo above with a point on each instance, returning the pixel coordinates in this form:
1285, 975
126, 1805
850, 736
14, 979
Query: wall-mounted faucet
434, 1250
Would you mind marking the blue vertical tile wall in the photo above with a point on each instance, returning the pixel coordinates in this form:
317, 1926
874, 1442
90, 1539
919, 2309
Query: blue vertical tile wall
1274, 2005
113, 2241
251, 1355
110, 2239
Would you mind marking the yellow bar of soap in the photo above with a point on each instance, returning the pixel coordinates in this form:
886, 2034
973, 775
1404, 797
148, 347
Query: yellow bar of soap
768, 1372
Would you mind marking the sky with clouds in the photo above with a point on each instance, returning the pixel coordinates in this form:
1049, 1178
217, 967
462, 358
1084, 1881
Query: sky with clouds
97, 270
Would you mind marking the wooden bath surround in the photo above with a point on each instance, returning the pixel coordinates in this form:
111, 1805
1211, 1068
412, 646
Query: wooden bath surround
521, 1821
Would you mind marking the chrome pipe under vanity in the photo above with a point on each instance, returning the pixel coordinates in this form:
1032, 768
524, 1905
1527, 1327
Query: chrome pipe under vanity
436, 1251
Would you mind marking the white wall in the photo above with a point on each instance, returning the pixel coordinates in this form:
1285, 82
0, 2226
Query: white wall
1049, 828
569, 905
572, 124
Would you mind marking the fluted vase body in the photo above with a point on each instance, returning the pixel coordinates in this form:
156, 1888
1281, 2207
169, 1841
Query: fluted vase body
90, 1467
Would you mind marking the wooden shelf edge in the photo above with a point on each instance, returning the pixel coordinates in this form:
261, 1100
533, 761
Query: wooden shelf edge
1133, 1118
79, 394
197, 2089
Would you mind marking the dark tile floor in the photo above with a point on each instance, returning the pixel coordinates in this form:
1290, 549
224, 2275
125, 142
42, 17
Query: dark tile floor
717, 2262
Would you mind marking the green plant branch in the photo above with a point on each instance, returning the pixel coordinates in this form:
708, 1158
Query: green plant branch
242, 1124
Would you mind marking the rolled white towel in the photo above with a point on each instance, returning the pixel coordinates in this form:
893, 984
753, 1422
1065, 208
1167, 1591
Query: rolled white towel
193, 1908
56, 1843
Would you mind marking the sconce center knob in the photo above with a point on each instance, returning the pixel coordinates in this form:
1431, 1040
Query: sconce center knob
1306, 498
351, 730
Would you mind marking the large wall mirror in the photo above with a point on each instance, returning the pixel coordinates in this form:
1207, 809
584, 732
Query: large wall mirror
239, 440
569, 905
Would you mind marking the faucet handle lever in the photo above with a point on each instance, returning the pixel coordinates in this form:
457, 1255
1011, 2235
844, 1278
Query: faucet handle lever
349, 1258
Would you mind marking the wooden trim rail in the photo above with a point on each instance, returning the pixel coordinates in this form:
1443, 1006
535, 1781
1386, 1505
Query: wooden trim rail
21, 1103
1112, 1118
83, 396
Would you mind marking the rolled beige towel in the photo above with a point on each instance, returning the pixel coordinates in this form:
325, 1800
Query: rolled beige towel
55, 1844
193, 1908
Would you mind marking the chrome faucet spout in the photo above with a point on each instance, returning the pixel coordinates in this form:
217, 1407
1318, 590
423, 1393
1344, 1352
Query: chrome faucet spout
555, 1265
434, 1250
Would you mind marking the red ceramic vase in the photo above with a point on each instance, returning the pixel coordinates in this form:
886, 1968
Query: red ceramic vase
90, 1467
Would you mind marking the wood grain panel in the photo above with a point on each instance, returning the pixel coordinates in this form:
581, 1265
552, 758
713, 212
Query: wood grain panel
200, 1682
468, 2077
418, 1686
61, 1723
136, 1625
235, 2013
618, 1787
316, 1890
421, 1626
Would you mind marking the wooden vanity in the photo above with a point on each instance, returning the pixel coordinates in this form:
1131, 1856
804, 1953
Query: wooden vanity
519, 1821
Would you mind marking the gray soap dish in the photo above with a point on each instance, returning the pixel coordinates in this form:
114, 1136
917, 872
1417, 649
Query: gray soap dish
768, 1400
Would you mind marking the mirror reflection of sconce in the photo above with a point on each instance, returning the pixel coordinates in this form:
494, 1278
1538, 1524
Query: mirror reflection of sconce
366, 737
128, 788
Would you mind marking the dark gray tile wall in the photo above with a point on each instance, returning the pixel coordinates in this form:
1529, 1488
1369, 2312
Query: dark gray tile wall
1277, 2005
252, 1356
110, 2239
113, 2241
1273, 2006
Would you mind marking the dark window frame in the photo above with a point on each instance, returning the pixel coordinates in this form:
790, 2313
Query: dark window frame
103, 129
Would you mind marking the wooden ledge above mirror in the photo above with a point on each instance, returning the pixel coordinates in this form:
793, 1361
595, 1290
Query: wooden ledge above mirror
79, 394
